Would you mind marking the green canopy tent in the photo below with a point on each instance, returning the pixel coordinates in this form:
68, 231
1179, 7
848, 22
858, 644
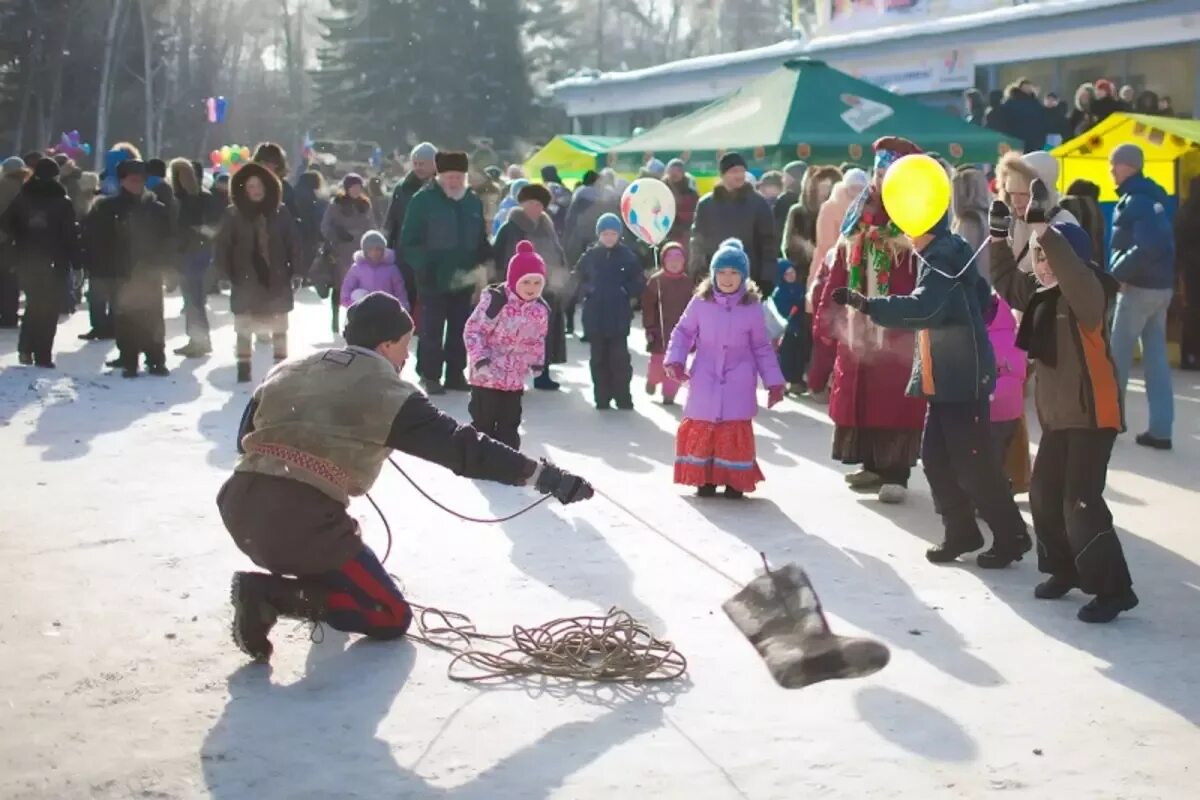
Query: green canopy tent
807, 110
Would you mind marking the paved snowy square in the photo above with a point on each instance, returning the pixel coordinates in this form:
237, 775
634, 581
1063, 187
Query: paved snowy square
119, 678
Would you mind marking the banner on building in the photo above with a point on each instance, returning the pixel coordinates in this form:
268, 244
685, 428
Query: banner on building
943, 71
844, 16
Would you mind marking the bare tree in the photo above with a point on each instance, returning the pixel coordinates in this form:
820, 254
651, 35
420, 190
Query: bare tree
115, 19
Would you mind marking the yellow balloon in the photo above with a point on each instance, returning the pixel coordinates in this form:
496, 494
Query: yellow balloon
916, 193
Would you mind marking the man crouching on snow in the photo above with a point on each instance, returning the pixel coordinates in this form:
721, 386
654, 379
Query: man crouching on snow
316, 433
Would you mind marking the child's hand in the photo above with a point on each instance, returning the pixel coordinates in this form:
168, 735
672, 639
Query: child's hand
677, 373
774, 396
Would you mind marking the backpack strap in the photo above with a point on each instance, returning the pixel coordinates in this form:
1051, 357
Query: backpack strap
497, 299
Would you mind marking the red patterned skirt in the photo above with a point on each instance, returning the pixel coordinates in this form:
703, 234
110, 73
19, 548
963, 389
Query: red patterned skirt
720, 453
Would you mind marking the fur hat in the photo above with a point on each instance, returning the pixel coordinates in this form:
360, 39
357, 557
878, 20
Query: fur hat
609, 222
524, 262
1044, 165
731, 255
372, 239
731, 160
452, 161
271, 183
375, 319
46, 169
535, 191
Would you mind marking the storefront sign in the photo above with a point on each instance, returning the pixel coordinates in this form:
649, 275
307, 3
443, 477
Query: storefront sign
951, 70
845, 16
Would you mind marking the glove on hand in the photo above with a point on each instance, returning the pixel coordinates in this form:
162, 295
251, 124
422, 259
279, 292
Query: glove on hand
676, 372
999, 220
847, 297
1039, 202
565, 487
774, 396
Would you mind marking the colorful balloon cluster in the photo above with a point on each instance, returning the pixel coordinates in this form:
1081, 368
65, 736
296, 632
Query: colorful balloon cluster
70, 146
229, 157
217, 106
648, 208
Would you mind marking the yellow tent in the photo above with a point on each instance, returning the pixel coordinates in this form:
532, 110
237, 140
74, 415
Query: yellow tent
1171, 146
573, 155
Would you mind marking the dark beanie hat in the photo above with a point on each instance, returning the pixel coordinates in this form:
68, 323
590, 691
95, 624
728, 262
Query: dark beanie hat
156, 168
451, 161
550, 174
590, 177
535, 191
375, 319
731, 160
46, 169
1077, 237
130, 166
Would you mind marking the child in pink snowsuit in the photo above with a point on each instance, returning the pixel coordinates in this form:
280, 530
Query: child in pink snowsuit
374, 270
506, 344
1008, 399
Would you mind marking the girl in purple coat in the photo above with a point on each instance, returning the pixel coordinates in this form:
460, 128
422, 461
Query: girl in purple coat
374, 270
724, 323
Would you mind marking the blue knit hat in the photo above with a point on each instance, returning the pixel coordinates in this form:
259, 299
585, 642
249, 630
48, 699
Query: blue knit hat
609, 222
1077, 237
731, 255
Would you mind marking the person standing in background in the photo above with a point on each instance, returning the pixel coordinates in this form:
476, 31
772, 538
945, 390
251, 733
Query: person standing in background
196, 230
13, 175
733, 210
346, 221
1187, 264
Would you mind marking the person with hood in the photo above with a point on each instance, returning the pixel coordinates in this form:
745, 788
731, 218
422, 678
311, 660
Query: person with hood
529, 221
127, 238
733, 210
1104, 101
1024, 116
274, 157
1187, 264
1014, 175
258, 251
374, 270
447, 245
560, 198
198, 221
1142, 258
969, 203
668, 291
795, 346
954, 369
800, 229
13, 174
686, 200
1082, 201
507, 205
875, 423
311, 205
793, 184
315, 433
346, 221
40, 228
1066, 303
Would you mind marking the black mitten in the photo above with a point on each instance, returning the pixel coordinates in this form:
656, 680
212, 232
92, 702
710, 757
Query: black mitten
1039, 202
999, 220
565, 487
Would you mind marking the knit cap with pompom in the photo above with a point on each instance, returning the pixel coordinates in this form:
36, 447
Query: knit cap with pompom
524, 262
731, 255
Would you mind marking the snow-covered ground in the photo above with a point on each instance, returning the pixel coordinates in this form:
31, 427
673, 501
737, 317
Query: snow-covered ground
118, 678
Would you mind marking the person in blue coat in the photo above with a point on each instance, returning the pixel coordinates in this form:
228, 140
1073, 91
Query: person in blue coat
954, 368
1142, 258
609, 276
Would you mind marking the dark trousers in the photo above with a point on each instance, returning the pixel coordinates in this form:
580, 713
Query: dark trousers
569, 311
102, 306
335, 308
1074, 527
964, 474
10, 296
140, 325
363, 598
1189, 342
193, 284
794, 351
43, 302
443, 317
612, 369
497, 413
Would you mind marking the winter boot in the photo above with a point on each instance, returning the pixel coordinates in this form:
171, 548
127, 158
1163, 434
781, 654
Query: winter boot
243, 371
950, 550
158, 370
1053, 587
781, 615
734, 494
433, 387
259, 600
1106, 607
707, 490
1000, 556
546, 383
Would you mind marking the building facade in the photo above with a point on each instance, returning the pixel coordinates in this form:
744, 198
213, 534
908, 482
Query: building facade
931, 49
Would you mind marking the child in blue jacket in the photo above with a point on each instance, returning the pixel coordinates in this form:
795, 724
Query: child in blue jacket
788, 299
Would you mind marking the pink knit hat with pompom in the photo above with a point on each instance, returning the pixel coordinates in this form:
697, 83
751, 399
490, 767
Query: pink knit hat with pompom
526, 261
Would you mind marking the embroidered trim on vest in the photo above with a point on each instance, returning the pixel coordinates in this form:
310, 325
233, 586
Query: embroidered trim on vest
325, 470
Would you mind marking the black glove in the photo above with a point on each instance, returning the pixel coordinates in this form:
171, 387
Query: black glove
1039, 202
843, 296
999, 220
565, 487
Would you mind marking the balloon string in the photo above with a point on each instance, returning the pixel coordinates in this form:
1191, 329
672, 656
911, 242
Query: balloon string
967, 266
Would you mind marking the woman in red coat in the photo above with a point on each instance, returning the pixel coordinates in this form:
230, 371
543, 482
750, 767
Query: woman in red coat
877, 424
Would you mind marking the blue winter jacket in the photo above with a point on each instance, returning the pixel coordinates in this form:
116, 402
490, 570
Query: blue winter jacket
1143, 243
953, 361
608, 279
789, 298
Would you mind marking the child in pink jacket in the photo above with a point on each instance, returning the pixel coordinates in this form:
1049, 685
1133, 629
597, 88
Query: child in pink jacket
506, 344
1008, 399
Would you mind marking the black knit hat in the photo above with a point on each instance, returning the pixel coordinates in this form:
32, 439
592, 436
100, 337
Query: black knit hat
46, 169
375, 319
590, 177
535, 191
451, 161
731, 160
130, 166
156, 168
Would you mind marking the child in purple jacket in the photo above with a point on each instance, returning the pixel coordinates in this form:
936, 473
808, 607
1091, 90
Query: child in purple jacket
506, 345
724, 322
374, 270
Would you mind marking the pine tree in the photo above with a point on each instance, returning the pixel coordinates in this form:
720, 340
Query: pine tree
503, 84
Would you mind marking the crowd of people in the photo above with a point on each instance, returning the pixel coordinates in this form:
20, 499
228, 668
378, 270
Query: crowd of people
797, 280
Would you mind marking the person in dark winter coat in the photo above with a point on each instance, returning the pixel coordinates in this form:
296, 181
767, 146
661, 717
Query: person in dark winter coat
800, 229
560, 198
609, 276
1187, 264
954, 368
127, 236
198, 220
733, 210
796, 346
274, 157
793, 185
40, 227
686, 200
13, 175
592, 199
667, 294
446, 243
994, 119
1082, 201
346, 221
317, 431
975, 111
258, 251
423, 169
1024, 116
1057, 122
311, 205
1104, 102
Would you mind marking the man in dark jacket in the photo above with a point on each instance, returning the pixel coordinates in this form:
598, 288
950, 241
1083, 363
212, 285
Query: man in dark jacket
686, 200
793, 181
1024, 116
733, 210
423, 169
317, 432
445, 242
128, 234
1142, 258
40, 224
954, 368
13, 175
